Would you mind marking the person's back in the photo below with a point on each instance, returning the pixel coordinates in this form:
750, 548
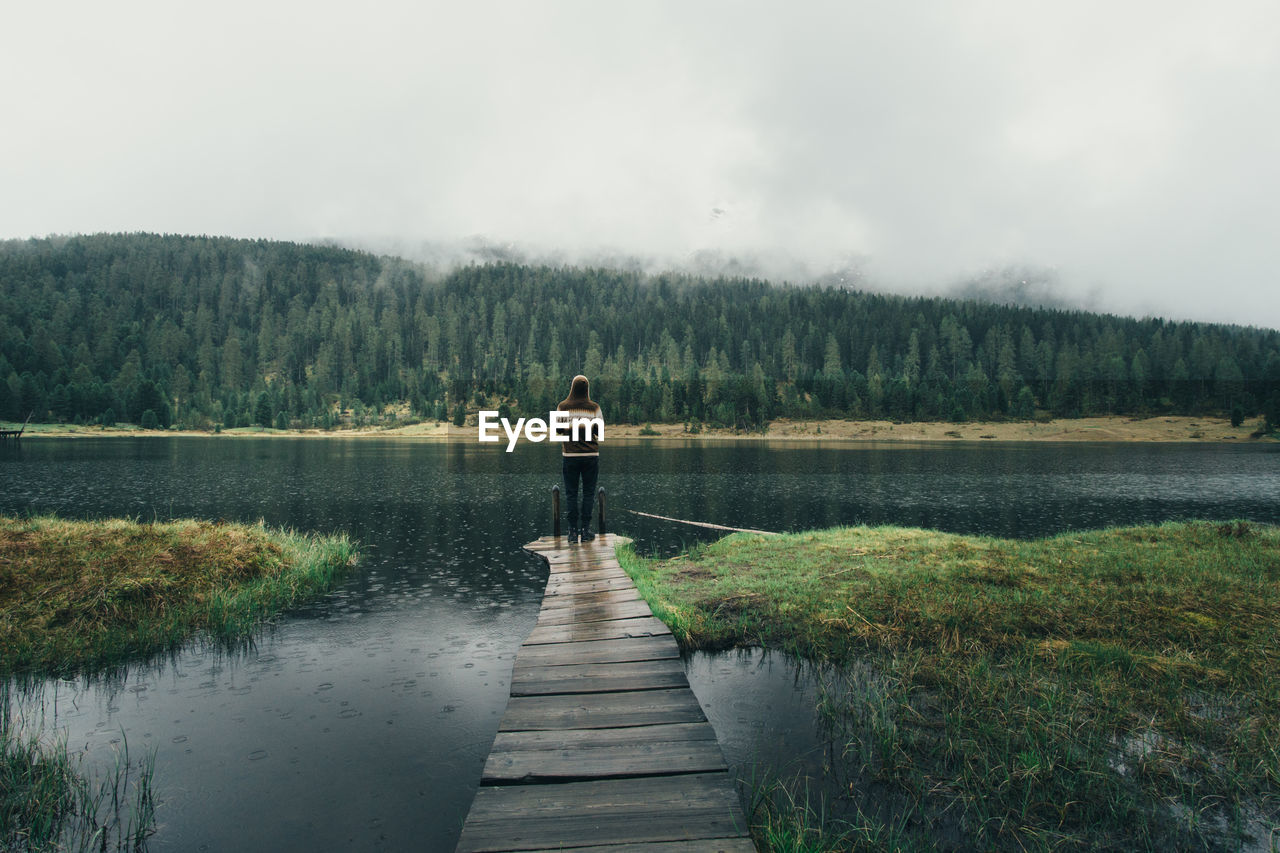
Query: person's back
581, 457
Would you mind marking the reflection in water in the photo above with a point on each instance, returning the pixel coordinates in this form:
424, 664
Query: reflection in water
807, 736
363, 719
761, 705
310, 736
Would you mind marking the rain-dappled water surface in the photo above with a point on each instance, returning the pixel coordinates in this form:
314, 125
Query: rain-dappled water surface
363, 720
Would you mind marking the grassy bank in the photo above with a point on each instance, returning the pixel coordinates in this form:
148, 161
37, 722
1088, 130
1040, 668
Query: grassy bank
1116, 689
83, 595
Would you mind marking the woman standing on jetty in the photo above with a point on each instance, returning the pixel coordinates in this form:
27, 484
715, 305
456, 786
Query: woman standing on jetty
581, 459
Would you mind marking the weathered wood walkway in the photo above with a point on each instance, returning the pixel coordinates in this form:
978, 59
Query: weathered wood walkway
603, 746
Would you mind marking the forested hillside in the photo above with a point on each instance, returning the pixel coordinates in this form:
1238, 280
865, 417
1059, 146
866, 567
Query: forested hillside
201, 331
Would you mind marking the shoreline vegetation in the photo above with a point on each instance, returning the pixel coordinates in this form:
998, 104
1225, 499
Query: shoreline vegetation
85, 597
1112, 428
1111, 689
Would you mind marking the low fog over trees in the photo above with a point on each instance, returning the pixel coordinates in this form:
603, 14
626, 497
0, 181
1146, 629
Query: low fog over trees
202, 331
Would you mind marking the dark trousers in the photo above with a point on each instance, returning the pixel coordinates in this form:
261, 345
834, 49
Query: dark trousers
586, 469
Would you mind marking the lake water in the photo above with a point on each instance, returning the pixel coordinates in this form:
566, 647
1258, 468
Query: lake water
363, 719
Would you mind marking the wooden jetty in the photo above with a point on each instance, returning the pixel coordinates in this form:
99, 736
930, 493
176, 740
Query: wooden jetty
603, 746
15, 433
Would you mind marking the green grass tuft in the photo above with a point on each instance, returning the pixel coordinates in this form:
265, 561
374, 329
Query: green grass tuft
82, 596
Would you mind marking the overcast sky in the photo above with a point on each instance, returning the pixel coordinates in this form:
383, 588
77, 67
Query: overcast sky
1127, 152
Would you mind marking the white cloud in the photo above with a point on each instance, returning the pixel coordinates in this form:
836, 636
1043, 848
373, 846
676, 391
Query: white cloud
1128, 147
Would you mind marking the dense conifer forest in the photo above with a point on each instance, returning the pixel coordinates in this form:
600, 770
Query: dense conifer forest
201, 332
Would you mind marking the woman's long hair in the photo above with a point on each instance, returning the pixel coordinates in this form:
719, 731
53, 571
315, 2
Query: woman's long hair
579, 394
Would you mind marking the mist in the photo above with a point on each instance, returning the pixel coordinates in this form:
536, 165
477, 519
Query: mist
1119, 158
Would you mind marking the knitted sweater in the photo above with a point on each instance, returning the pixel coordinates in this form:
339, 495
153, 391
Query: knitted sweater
580, 405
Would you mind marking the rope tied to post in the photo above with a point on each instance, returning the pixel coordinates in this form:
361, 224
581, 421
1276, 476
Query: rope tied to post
706, 524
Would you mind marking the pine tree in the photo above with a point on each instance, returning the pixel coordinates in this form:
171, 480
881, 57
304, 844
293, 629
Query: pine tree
262, 410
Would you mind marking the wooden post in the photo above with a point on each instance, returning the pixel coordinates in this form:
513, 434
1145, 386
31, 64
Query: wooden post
600, 498
555, 511
16, 434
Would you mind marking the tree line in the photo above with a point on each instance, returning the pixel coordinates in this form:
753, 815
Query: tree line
204, 332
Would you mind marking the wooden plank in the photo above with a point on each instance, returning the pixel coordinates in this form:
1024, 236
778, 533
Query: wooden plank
575, 569
548, 543
558, 569
558, 582
585, 601
594, 613
601, 710
706, 790
556, 572
607, 811
608, 683
554, 597
591, 575
546, 547
599, 651
597, 612
538, 741
614, 629
576, 587
611, 540
740, 844
597, 677
559, 563
571, 600
577, 555
588, 575
591, 551
585, 555
615, 761
532, 672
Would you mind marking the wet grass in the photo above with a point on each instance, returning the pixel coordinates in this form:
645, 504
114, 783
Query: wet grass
85, 596
1114, 689
49, 801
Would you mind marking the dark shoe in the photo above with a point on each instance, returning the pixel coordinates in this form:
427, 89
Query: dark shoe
587, 535
573, 536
